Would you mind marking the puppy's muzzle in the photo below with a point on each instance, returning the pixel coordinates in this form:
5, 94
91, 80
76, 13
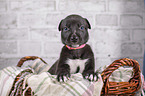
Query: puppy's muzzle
74, 38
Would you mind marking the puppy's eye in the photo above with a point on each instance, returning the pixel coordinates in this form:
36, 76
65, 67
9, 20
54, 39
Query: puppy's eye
65, 29
82, 28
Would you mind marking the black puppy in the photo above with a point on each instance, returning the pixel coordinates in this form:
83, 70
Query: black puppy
76, 56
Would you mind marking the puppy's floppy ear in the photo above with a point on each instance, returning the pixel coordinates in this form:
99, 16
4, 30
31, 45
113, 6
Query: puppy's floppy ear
60, 25
89, 26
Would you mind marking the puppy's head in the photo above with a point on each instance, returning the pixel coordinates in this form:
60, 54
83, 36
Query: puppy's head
74, 30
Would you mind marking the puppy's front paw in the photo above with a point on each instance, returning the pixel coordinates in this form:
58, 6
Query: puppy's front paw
91, 76
63, 76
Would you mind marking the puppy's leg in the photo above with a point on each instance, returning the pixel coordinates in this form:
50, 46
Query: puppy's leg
89, 73
63, 73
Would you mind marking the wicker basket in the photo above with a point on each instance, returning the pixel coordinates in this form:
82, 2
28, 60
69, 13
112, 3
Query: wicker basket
20, 90
121, 88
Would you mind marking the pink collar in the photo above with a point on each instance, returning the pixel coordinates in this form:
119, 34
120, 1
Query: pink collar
70, 48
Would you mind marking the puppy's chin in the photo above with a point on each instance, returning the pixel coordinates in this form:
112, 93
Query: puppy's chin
75, 46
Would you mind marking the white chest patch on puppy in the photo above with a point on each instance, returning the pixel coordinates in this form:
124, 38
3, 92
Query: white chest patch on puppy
75, 63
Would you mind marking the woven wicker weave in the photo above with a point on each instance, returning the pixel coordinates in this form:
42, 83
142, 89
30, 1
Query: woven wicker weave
121, 88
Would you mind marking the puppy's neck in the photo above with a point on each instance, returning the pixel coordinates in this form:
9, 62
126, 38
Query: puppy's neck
71, 48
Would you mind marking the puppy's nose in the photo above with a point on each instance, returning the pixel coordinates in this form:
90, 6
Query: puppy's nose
74, 38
